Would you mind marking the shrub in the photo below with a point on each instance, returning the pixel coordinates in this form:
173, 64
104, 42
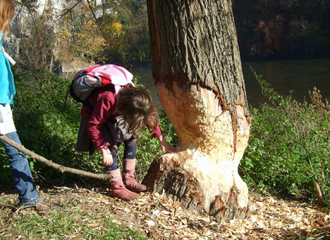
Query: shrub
289, 146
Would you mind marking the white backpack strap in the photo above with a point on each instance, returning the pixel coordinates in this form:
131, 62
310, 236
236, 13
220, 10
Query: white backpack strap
94, 81
10, 59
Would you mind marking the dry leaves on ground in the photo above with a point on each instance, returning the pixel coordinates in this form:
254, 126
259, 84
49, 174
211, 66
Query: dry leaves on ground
159, 217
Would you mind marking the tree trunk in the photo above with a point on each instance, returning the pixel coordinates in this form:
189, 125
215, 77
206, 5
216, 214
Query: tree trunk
197, 70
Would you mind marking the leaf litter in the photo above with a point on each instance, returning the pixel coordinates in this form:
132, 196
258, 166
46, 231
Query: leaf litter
160, 217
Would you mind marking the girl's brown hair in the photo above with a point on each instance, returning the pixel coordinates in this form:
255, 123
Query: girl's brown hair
137, 109
7, 11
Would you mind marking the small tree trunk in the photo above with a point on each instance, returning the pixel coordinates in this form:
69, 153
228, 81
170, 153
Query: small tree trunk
318, 193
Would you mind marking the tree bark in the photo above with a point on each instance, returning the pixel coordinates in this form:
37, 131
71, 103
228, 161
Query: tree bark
197, 71
56, 166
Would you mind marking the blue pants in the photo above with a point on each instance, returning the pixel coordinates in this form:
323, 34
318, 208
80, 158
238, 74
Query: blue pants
129, 152
21, 172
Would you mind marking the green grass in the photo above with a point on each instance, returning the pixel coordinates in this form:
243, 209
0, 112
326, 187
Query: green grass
65, 224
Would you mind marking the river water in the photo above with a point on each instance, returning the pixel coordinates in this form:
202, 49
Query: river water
297, 76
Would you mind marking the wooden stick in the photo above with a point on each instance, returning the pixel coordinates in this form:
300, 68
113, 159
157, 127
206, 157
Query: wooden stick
318, 193
49, 163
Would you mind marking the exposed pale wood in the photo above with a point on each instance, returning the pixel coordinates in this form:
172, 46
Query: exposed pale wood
56, 166
203, 175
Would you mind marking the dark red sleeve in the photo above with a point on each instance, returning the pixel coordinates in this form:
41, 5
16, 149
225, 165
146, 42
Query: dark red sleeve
104, 107
158, 131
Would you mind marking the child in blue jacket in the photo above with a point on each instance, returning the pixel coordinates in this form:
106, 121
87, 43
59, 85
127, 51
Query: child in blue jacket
19, 166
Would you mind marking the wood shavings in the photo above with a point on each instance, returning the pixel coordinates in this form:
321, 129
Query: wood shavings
160, 217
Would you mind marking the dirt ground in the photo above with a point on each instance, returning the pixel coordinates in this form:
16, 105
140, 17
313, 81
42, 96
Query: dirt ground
159, 217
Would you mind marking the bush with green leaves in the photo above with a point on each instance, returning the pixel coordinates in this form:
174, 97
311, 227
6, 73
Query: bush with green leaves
288, 147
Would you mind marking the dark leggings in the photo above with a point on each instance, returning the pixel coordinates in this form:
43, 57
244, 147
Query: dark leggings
129, 152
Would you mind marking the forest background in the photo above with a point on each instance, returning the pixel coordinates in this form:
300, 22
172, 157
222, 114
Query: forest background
117, 31
288, 147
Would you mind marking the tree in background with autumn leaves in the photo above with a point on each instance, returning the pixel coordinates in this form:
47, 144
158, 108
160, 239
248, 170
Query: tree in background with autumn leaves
281, 29
120, 34
81, 33
117, 31
267, 29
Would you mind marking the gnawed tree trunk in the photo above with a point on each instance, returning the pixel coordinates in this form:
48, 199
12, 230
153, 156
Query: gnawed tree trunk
197, 70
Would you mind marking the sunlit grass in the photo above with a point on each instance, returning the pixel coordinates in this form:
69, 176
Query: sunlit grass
64, 223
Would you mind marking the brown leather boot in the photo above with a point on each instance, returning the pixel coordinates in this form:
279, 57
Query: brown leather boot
118, 188
128, 177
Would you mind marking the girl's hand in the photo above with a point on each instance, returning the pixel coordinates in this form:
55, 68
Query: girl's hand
107, 157
165, 146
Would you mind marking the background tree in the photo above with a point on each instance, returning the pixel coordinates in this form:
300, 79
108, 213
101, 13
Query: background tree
81, 37
277, 29
36, 34
114, 31
79, 33
131, 15
197, 70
